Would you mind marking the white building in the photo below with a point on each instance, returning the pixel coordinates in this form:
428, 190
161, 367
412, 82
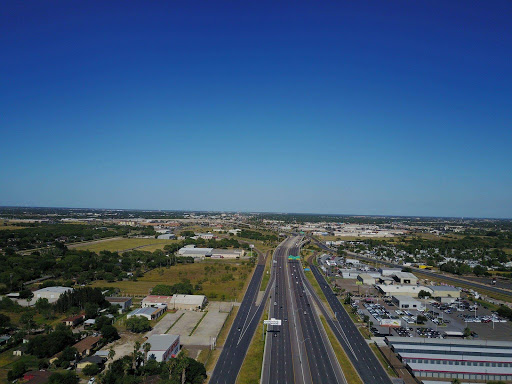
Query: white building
188, 302
389, 271
405, 278
195, 252
150, 313
227, 253
406, 302
406, 290
51, 293
163, 347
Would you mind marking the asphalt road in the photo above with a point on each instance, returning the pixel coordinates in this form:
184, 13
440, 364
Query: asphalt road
241, 333
362, 357
296, 351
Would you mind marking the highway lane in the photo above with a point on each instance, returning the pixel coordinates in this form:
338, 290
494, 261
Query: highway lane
296, 352
323, 363
451, 279
362, 357
241, 333
278, 367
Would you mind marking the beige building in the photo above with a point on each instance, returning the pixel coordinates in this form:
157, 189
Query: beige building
189, 302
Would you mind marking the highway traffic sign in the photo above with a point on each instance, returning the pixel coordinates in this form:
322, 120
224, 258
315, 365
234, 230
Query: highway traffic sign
272, 321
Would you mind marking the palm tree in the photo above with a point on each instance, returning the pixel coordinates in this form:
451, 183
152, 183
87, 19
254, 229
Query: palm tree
111, 353
135, 354
147, 348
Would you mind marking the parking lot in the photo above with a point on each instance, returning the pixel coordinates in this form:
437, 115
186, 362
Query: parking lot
439, 319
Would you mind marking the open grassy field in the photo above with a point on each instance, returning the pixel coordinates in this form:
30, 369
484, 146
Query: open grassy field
318, 290
383, 361
346, 366
118, 245
217, 282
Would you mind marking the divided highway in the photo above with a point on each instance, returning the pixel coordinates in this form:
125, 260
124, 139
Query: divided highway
241, 333
362, 357
296, 351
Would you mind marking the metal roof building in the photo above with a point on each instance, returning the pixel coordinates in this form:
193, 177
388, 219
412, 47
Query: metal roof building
481, 360
163, 347
189, 302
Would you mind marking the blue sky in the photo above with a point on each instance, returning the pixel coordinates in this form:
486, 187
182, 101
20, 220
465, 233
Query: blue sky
399, 107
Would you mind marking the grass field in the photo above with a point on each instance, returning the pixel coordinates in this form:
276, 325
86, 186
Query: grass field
211, 275
124, 244
318, 290
346, 366
266, 272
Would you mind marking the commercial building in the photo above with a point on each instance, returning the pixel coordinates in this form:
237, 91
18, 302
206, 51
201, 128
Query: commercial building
441, 292
227, 253
188, 302
389, 271
406, 302
478, 360
163, 347
406, 290
124, 303
195, 252
150, 313
52, 294
365, 279
156, 301
405, 278
205, 236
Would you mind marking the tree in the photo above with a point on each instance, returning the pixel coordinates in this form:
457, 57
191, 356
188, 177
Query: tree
111, 353
467, 332
63, 378
423, 294
138, 324
91, 310
5, 322
455, 381
91, 370
17, 370
109, 332
27, 320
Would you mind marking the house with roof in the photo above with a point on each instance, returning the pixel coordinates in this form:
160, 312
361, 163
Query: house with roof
98, 360
150, 313
36, 377
73, 321
124, 303
86, 346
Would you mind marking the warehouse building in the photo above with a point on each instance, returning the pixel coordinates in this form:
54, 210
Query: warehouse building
406, 290
163, 347
444, 293
365, 279
124, 303
405, 278
188, 302
389, 271
227, 253
51, 293
150, 313
200, 253
406, 302
156, 301
478, 360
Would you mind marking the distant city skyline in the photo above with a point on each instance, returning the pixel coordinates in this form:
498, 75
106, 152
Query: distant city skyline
375, 108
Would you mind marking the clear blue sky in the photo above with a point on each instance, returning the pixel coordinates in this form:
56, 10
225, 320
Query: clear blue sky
359, 107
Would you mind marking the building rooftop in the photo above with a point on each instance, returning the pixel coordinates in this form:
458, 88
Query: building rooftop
157, 299
56, 289
189, 299
443, 288
161, 342
87, 343
118, 299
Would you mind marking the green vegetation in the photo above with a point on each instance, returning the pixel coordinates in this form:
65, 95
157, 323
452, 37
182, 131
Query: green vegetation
346, 366
250, 372
391, 372
247, 234
119, 245
138, 324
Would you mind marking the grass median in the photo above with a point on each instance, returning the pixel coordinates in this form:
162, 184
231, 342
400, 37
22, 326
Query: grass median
347, 367
250, 373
